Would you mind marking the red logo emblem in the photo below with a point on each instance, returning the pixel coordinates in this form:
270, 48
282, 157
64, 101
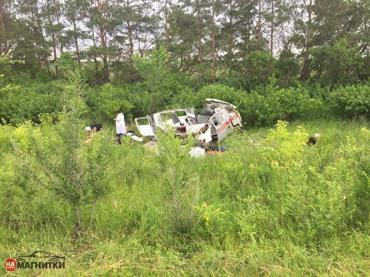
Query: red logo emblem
10, 264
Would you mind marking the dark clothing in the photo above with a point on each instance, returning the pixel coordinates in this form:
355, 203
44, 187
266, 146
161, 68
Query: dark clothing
119, 136
96, 127
311, 141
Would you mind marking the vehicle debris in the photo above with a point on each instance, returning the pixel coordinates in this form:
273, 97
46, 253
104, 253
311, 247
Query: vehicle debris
200, 151
197, 152
210, 126
134, 137
215, 149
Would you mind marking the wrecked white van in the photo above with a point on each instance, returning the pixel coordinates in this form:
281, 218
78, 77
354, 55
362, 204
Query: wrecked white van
213, 123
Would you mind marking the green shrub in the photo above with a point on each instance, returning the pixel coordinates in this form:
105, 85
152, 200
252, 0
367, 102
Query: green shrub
221, 92
257, 68
180, 182
264, 107
337, 64
351, 101
23, 102
110, 99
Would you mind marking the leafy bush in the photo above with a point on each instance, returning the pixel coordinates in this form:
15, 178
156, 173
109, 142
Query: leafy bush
111, 99
19, 103
287, 68
257, 68
347, 60
351, 101
181, 185
53, 160
5, 65
158, 80
265, 107
221, 92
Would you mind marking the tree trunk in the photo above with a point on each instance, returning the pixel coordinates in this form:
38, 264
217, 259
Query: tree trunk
36, 20
2, 24
200, 52
103, 44
77, 228
53, 40
214, 50
231, 34
130, 41
2, 31
95, 58
259, 15
130, 36
76, 42
166, 21
59, 32
100, 5
55, 53
305, 72
272, 27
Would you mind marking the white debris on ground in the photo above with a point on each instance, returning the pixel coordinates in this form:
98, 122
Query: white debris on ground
197, 152
254, 142
134, 137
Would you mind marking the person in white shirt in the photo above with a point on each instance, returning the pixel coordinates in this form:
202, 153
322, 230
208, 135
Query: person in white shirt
120, 126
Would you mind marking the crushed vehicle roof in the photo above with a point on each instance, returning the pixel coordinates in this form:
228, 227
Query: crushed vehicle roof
212, 124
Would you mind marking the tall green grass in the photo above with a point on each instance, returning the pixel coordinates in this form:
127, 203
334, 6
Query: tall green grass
270, 205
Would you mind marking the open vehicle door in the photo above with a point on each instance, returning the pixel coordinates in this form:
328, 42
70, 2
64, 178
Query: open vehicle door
144, 126
190, 116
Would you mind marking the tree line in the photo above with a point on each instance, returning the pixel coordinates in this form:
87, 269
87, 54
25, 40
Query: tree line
240, 42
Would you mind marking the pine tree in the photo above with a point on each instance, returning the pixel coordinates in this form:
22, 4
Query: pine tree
32, 46
75, 11
7, 26
303, 34
100, 17
52, 26
75, 169
137, 26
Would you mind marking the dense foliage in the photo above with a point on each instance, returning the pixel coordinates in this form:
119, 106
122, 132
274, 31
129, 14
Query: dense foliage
262, 106
269, 205
23, 98
240, 43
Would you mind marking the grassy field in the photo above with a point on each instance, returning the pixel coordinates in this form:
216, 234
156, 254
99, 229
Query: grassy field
270, 205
